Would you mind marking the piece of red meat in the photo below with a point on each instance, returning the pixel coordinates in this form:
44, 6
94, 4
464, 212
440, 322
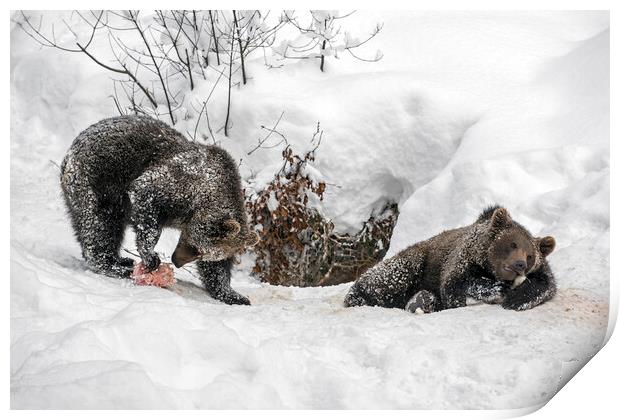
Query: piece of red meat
162, 277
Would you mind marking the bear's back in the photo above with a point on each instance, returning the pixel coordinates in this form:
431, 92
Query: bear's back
117, 150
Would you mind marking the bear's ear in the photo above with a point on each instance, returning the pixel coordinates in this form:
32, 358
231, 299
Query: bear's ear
500, 219
230, 228
546, 245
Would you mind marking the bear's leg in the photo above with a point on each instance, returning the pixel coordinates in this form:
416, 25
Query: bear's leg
104, 236
390, 283
422, 302
453, 293
454, 283
99, 228
215, 275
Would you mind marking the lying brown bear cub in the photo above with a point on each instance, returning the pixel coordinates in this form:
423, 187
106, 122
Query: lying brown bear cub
494, 259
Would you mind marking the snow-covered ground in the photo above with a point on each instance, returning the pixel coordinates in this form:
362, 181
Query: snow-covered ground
465, 109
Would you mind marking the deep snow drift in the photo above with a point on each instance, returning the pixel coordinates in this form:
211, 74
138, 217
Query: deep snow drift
465, 109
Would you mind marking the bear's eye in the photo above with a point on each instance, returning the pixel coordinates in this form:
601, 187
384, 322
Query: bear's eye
529, 258
513, 245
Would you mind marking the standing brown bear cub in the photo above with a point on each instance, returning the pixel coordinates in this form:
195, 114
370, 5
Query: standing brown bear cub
495, 260
138, 171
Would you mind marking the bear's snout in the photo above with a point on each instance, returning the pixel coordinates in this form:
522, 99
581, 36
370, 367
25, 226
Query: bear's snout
519, 266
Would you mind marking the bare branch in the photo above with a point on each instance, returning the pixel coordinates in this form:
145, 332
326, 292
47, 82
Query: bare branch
230, 65
270, 131
148, 47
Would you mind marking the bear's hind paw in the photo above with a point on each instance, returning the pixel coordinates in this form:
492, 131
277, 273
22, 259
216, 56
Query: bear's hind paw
423, 302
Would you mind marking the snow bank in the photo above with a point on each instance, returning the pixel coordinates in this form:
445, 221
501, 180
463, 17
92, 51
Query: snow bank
465, 109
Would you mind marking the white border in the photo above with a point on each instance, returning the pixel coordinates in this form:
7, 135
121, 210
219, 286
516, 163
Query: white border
592, 392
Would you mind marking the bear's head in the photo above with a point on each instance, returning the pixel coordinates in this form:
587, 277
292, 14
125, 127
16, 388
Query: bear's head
513, 251
212, 239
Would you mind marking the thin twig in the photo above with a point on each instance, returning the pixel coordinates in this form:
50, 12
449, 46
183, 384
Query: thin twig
241, 53
232, 49
270, 132
161, 79
217, 53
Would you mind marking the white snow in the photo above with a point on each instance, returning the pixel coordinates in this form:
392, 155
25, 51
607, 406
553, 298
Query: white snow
464, 109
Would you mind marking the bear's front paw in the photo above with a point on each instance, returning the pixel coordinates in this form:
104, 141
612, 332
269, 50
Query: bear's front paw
512, 306
516, 304
152, 262
238, 299
233, 298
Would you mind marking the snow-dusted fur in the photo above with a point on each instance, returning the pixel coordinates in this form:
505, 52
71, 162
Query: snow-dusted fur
476, 261
138, 170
